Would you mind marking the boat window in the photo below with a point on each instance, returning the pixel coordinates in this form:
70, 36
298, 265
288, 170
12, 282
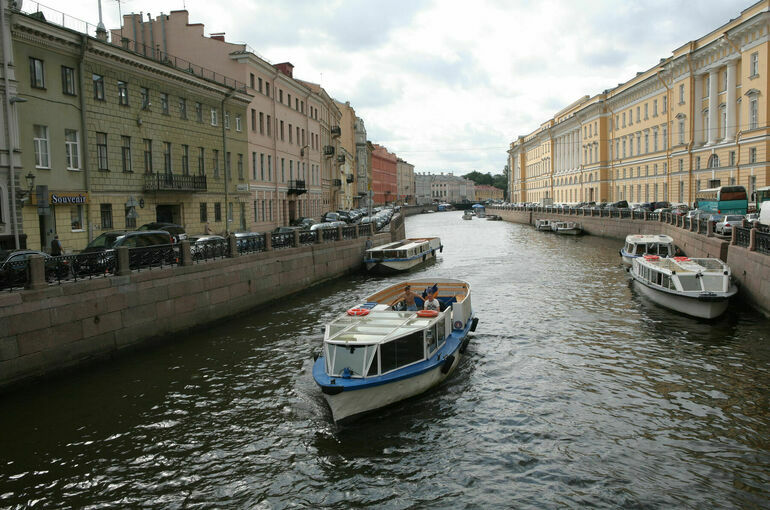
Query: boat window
666, 281
431, 340
713, 283
663, 250
689, 282
401, 351
371, 352
640, 249
658, 277
440, 331
351, 357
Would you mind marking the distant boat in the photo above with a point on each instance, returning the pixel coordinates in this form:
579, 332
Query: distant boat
376, 354
494, 217
544, 225
468, 215
567, 228
402, 255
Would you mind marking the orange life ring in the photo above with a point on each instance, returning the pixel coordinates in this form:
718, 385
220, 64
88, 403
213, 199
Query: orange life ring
427, 313
358, 312
651, 257
681, 259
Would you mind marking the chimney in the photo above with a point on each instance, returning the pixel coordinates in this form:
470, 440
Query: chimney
219, 36
286, 68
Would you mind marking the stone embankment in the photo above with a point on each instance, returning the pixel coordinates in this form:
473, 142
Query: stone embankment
750, 268
60, 326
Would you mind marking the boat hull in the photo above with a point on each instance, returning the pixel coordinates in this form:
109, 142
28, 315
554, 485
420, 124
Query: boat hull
692, 306
568, 231
399, 266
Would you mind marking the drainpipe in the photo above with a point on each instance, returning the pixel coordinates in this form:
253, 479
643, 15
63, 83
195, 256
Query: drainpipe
228, 95
83, 129
8, 124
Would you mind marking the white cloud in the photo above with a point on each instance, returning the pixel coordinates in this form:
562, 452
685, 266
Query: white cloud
448, 84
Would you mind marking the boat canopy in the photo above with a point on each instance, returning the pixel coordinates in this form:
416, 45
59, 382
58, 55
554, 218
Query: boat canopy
378, 327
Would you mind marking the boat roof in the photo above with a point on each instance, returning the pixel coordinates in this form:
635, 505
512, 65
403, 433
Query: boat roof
685, 265
378, 327
649, 238
404, 243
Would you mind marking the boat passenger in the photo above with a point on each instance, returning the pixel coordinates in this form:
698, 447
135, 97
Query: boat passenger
409, 296
431, 303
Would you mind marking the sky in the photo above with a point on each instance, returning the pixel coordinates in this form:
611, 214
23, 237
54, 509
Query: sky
447, 85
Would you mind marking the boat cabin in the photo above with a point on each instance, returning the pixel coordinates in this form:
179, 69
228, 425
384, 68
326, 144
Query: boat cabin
660, 245
404, 249
683, 274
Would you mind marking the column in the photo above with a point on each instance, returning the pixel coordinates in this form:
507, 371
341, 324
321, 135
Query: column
697, 111
713, 106
731, 104
570, 143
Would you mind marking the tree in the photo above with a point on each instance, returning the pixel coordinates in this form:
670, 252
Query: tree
498, 181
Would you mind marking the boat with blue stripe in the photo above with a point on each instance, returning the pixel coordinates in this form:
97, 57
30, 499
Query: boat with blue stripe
402, 255
378, 353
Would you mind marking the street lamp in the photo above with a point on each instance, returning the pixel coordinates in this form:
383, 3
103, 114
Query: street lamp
25, 194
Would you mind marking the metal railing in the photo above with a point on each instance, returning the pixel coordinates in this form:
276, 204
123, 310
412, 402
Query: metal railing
174, 182
14, 275
251, 243
762, 240
703, 226
308, 236
211, 249
330, 234
147, 257
742, 236
349, 232
282, 240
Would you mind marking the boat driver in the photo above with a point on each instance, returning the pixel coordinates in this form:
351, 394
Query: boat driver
409, 296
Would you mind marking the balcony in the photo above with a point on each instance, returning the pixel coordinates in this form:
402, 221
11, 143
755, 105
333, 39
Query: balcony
336, 131
174, 182
328, 150
297, 187
340, 158
337, 182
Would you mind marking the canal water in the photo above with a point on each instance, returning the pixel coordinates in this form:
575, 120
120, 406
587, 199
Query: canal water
575, 391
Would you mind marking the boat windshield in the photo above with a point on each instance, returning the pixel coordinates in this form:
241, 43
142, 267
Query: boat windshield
356, 358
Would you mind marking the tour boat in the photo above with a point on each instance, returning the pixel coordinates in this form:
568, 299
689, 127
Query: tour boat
494, 217
377, 353
696, 287
567, 228
468, 215
544, 225
647, 244
402, 255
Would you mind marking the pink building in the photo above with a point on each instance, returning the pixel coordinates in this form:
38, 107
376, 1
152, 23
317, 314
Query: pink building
384, 175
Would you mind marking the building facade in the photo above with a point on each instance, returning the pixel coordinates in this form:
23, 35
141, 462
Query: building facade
347, 147
363, 164
384, 175
451, 188
697, 119
422, 189
405, 182
484, 192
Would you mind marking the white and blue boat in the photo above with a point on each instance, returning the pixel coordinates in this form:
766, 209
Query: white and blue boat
402, 255
377, 353
638, 245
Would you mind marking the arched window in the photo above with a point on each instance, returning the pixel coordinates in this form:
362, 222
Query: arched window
713, 161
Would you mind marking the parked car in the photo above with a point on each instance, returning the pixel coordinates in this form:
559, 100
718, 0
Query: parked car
99, 255
13, 272
330, 216
726, 223
207, 246
305, 223
752, 219
177, 231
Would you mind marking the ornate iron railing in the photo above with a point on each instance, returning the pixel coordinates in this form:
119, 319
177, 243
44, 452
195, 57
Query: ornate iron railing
625, 213
687, 223
210, 249
349, 232
762, 240
14, 275
174, 182
653, 216
637, 215
308, 236
251, 243
703, 226
363, 229
330, 234
147, 257
282, 240
742, 236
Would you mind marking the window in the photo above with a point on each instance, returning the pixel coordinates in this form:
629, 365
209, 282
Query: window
105, 212
280, 96
681, 131
98, 80
230, 212
654, 107
631, 117
215, 163
283, 170
237, 122
681, 191
754, 69
213, 116
724, 122
72, 149
145, 93
227, 120
267, 89
259, 82
67, 81
624, 119
288, 96
36, 73
198, 112
269, 167
240, 166
243, 216
646, 105
261, 123
101, 151
753, 113
655, 140
665, 138
201, 161
290, 137
646, 143
228, 165
185, 159
130, 218
42, 152
268, 124
76, 217
281, 130
681, 165
204, 212
681, 94
262, 166
665, 104
253, 119
251, 80
148, 155
217, 211
167, 157
752, 185
164, 103
697, 162
732, 158
182, 108
753, 155
714, 161
125, 152
122, 93
254, 166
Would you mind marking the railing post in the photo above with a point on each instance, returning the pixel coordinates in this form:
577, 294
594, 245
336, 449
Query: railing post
339, 233
186, 254
753, 239
232, 246
355, 232
645, 215
268, 241
124, 266
319, 236
734, 236
709, 229
695, 224
371, 229
296, 238
36, 275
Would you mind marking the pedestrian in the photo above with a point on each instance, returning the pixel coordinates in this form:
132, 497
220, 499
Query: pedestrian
369, 243
207, 229
56, 247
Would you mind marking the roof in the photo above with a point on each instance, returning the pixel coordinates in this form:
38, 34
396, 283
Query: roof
377, 327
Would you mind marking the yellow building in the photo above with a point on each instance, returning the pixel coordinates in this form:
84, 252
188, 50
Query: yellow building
484, 192
697, 119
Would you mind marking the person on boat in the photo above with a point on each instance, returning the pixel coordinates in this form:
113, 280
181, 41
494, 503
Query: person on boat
409, 296
431, 303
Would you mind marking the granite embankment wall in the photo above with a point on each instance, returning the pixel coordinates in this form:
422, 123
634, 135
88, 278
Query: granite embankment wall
750, 269
61, 326
411, 210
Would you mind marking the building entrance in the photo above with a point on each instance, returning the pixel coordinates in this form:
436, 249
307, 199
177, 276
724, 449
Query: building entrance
165, 213
47, 229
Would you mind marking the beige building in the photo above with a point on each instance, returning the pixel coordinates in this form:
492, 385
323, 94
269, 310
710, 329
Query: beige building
349, 198
485, 192
697, 119
405, 182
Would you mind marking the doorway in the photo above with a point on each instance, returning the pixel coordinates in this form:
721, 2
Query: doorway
166, 213
47, 229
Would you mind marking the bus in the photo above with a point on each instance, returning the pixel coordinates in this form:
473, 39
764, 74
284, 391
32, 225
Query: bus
723, 200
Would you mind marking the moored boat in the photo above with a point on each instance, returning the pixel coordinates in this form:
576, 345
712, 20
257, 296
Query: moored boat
567, 228
696, 287
468, 214
494, 217
377, 353
544, 225
402, 255
647, 244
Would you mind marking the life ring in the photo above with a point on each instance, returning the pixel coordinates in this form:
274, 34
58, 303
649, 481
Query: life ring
358, 312
682, 259
427, 313
651, 257
458, 325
